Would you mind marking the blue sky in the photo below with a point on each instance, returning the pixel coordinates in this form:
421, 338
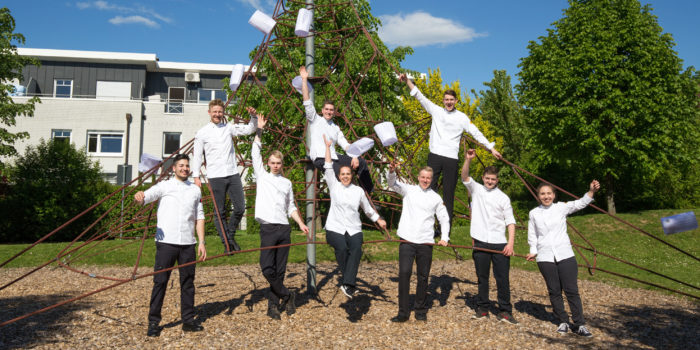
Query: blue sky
466, 39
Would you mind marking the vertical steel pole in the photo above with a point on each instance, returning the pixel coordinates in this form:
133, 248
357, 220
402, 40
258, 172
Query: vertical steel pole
311, 191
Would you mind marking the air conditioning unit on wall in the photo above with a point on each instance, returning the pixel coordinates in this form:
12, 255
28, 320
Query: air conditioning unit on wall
192, 77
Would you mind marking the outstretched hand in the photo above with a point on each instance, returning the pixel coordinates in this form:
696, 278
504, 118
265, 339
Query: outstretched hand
262, 121
595, 186
303, 73
496, 153
470, 154
328, 143
394, 166
251, 110
403, 77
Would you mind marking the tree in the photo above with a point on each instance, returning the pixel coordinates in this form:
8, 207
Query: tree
53, 182
10, 69
606, 96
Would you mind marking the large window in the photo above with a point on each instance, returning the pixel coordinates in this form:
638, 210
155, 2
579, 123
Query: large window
176, 98
106, 143
63, 88
206, 95
171, 143
60, 135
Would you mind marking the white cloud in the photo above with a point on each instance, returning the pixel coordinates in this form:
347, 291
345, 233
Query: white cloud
133, 19
422, 29
266, 6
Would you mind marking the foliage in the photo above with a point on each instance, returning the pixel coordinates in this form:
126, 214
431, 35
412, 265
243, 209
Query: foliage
52, 183
10, 69
606, 97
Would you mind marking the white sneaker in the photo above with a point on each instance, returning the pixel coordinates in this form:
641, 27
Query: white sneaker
563, 328
584, 332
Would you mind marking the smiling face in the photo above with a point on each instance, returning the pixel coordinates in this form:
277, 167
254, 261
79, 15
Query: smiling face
275, 164
216, 113
345, 175
449, 102
546, 195
424, 178
181, 168
328, 111
490, 180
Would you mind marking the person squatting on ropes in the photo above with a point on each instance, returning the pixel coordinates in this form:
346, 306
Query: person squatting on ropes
324, 125
180, 212
420, 206
343, 224
491, 214
215, 141
447, 126
550, 245
274, 203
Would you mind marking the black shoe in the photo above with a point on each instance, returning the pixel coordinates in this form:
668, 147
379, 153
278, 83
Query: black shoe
191, 327
480, 314
422, 317
273, 311
505, 316
348, 290
399, 319
288, 304
153, 330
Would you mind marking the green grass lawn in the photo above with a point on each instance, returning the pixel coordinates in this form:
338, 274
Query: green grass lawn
606, 234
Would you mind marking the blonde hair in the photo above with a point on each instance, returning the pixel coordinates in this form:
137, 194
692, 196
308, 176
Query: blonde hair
216, 102
277, 154
426, 168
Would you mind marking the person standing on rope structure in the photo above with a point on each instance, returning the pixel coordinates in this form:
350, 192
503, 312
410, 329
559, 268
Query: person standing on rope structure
215, 141
180, 213
420, 206
274, 203
446, 130
491, 214
550, 245
343, 225
324, 125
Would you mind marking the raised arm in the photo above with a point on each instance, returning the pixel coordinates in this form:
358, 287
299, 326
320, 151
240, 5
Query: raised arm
428, 105
328, 166
574, 206
394, 184
468, 156
255, 153
309, 108
480, 138
246, 129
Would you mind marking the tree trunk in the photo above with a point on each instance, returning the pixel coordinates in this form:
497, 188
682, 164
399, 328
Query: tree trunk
610, 194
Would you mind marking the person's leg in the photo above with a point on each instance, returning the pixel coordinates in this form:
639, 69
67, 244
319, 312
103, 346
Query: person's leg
407, 254
268, 258
218, 192
434, 161
166, 255
568, 274
319, 163
187, 254
340, 246
550, 273
424, 258
449, 183
501, 272
235, 192
283, 237
482, 265
364, 177
352, 264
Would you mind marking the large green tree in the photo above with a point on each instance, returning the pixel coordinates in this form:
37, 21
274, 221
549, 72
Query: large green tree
11, 65
606, 96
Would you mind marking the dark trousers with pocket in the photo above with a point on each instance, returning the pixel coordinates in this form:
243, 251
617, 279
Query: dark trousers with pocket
166, 256
273, 262
563, 275
423, 256
448, 167
501, 270
348, 252
363, 175
220, 187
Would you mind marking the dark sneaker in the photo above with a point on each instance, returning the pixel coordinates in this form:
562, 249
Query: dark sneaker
273, 311
399, 319
584, 332
563, 328
506, 317
288, 304
480, 315
422, 317
153, 330
191, 327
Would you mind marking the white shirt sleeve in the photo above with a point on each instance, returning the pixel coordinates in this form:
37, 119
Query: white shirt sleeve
200, 210
574, 206
428, 105
396, 185
508, 212
245, 129
258, 167
153, 194
197, 156
532, 235
342, 141
470, 184
367, 208
329, 175
444, 219
291, 207
310, 110
478, 135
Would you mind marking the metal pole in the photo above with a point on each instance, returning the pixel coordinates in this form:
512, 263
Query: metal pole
311, 190
126, 164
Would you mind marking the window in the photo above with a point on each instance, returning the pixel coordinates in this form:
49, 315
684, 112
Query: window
63, 88
176, 98
60, 135
113, 90
206, 95
171, 143
107, 143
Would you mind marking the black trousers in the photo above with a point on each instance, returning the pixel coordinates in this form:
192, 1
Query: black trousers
563, 275
273, 262
363, 176
348, 252
501, 270
231, 185
166, 256
423, 255
448, 167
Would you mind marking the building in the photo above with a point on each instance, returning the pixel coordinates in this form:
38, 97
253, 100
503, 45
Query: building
117, 106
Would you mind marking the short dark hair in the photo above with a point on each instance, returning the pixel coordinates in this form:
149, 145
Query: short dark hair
451, 93
546, 184
180, 156
328, 102
491, 170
